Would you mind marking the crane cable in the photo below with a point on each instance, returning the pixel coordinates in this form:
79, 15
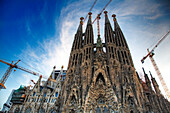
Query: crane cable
90, 9
31, 67
101, 11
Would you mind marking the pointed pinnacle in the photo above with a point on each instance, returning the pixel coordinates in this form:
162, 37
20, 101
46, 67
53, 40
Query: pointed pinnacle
114, 17
90, 13
81, 20
143, 70
105, 12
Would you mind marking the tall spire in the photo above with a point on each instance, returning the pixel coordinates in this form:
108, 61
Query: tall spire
147, 80
120, 39
78, 36
155, 84
89, 32
106, 18
89, 21
121, 44
80, 28
109, 35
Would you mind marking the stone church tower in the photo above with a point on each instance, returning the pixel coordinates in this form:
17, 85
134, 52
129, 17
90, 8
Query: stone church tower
101, 76
99, 80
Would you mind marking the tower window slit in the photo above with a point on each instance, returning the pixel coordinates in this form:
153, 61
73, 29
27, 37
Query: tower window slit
113, 37
88, 36
107, 37
112, 52
126, 57
115, 52
109, 49
121, 38
123, 57
130, 59
116, 41
125, 42
80, 58
110, 36
119, 57
118, 37
84, 52
76, 42
73, 57
78, 45
112, 49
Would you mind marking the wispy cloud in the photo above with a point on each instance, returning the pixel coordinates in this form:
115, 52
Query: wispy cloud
146, 8
55, 50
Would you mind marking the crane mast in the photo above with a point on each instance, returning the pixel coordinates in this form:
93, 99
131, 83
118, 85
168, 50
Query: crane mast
98, 28
7, 73
150, 54
9, 70
160, 76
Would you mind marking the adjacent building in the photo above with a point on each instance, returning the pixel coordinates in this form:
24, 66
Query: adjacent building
7, 105
44, 94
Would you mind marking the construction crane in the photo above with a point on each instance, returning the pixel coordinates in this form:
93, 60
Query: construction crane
90, 9
98, 28
150, 54
101, 11
9, 70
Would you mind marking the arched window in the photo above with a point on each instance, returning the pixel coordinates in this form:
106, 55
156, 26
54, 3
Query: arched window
100, 78
130, 101
17, 110
73, 100
56, 94
28, 110
131, 111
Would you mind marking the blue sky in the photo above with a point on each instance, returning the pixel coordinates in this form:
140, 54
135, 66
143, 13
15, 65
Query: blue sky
41, 32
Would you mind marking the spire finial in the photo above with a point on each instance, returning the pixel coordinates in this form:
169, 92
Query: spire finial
105, 12
114, 17
90, 13
81, 20
143, 70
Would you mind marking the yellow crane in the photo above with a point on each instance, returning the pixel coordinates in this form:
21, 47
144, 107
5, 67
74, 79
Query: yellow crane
150, 54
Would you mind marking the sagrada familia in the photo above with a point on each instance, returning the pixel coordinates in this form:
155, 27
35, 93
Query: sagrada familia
100, 78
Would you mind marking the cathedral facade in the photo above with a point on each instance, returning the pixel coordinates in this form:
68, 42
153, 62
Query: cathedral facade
100, 78
99, 81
